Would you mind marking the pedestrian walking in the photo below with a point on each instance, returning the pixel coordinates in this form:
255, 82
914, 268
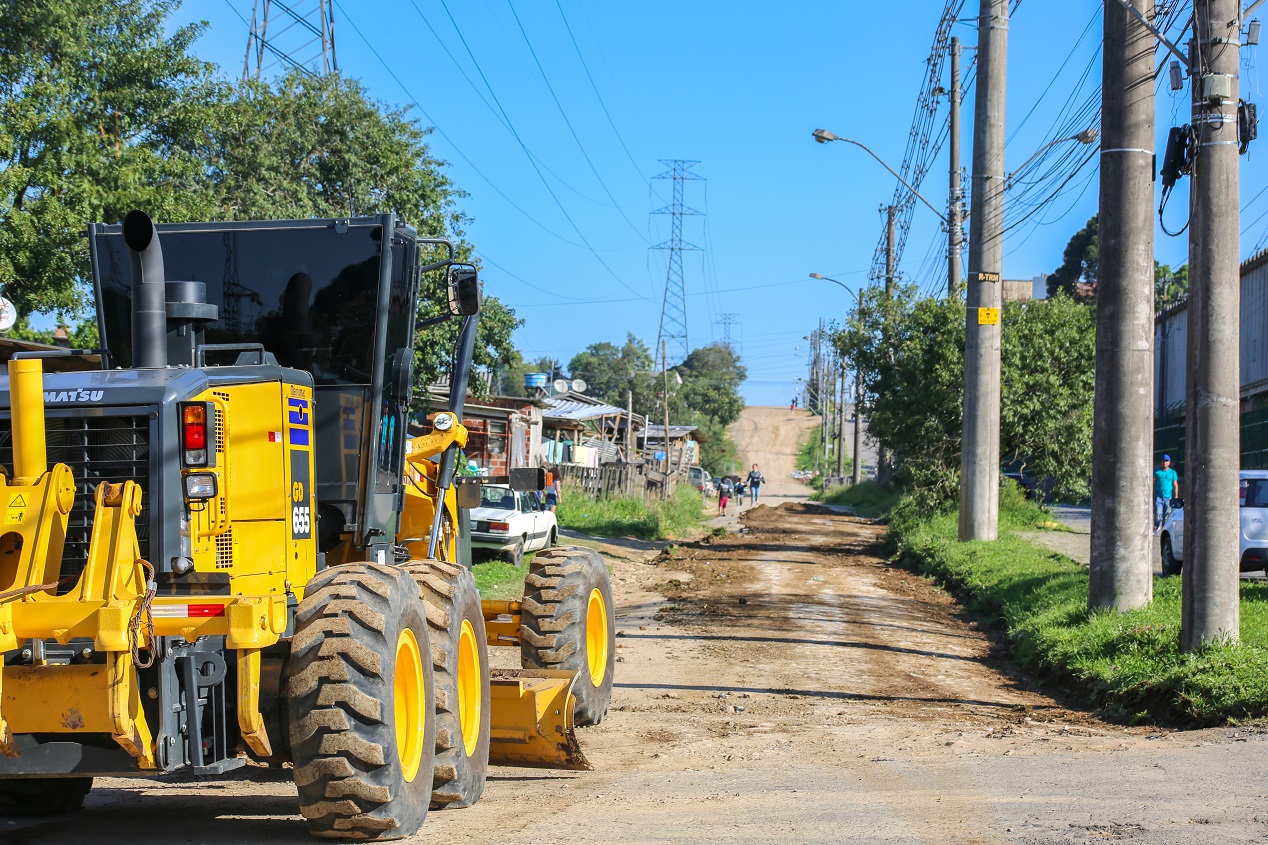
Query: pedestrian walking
725, 488
755, 481
554, 486
1166, 488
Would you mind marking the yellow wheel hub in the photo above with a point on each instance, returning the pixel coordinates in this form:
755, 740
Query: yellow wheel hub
597, 637
410, 696
470, 675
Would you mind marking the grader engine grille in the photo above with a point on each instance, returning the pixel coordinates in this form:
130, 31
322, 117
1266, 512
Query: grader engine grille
96, 449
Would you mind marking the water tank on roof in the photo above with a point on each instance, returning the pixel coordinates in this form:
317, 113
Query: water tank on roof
535, 381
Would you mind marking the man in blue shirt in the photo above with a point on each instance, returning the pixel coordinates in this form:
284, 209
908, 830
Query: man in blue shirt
1166, 488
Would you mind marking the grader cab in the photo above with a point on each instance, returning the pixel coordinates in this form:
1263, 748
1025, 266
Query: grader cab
222, 549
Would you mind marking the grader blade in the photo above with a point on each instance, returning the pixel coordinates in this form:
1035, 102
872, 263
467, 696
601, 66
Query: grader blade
532, 720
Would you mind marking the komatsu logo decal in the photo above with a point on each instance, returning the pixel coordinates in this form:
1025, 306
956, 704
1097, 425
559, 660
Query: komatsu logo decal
80, 395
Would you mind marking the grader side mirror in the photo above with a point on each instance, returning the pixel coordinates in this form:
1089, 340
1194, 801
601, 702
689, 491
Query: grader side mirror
528, 478
468, 492
464, 290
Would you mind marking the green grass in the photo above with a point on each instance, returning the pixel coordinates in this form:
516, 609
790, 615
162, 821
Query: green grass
499, 580
630, 516
1127, 664
810, 457
868, 499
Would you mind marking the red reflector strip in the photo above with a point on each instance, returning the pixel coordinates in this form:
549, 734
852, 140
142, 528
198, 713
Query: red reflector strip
187, 611
206, 610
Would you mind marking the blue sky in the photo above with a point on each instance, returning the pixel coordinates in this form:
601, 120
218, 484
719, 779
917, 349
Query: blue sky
738, 87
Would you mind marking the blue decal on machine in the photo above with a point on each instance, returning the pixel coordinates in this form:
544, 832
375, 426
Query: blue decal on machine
298, 411
297, 415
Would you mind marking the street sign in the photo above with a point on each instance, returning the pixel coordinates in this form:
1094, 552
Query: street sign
8, 315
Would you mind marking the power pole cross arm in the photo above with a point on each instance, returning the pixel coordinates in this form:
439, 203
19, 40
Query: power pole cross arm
1157, 33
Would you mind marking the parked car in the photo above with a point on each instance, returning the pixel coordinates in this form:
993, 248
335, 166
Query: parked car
512, 523
701, 478
1252, 496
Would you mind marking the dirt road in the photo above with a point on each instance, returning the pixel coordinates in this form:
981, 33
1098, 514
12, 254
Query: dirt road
786, 685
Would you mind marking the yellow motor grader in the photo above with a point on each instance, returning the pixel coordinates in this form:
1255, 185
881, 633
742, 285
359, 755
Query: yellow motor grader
223, 549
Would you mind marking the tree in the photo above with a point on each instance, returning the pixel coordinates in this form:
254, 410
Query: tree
609, 372
320, 146
1076, 277
1170, 285
101, 110
711, 377
910, 353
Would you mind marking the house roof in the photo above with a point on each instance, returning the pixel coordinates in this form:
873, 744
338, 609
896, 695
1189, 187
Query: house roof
571, 406
656, 432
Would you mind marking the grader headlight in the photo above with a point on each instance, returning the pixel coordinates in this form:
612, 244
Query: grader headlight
200, 485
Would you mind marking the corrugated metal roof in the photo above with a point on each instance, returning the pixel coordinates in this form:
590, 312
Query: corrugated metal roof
570, 409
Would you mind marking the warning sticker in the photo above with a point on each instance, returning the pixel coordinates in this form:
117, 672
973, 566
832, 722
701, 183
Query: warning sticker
16, 512
988, 316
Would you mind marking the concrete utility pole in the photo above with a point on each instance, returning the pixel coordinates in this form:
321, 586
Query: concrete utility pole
1120, 574
1212, 414
891, 211
979, 460
841, 422
953, 191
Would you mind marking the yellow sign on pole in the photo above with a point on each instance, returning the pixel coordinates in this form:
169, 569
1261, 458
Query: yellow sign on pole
988, 316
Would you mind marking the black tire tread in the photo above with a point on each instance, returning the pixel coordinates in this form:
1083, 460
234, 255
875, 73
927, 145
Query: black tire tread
447, 588
340, 731
553, 620
43, 796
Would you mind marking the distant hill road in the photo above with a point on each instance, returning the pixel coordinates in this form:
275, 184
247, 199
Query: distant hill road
769, 437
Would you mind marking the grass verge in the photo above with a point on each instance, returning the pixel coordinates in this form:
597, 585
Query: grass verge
630, 516
867, 499
499, 580
1127, 664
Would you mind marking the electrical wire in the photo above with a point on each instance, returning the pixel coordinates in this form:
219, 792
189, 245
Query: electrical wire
546, 184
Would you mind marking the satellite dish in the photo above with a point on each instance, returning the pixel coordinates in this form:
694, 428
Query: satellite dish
561, 385
8, 315
579, 385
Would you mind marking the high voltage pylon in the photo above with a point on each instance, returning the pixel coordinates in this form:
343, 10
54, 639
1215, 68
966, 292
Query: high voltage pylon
726, 321
293, 34
671, 338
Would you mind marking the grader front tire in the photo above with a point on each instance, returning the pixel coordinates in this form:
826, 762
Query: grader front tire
362, 726
568, 621
460, 661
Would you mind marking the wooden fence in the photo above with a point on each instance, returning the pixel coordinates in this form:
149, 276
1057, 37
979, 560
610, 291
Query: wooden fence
614, 480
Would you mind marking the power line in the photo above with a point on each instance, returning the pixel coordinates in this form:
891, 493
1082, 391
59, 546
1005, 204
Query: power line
531, 161
568, 123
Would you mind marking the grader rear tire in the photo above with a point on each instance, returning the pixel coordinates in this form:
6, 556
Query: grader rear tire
460, 661
43, 796
362, 722
568, 621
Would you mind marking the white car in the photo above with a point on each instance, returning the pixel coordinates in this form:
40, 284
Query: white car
1252, 496
512, 522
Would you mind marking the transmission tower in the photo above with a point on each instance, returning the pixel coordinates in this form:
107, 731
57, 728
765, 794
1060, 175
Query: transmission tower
294, 34
726, 321
673, 311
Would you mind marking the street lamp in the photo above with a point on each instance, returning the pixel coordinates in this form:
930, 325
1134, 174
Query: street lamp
858, 397
823, 136
1087, 136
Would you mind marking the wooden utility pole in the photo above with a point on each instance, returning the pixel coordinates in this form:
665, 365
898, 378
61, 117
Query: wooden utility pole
979, 459
953, 192
1120, 571
664, 369
1212, 454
